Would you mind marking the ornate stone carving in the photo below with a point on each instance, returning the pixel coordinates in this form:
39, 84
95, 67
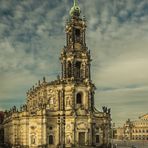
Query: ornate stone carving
69, 138
68, 101
82, 125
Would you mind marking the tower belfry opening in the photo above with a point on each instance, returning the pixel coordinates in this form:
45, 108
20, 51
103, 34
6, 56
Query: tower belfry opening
77, 32
69, 70
77, 35
78, 69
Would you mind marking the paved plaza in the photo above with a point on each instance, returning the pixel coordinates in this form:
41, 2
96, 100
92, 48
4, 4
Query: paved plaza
130, 144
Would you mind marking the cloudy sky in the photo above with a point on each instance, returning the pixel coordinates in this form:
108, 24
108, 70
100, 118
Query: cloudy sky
32, 35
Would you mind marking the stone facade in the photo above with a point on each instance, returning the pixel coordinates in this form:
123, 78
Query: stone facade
118, 133
61, 113
134, 130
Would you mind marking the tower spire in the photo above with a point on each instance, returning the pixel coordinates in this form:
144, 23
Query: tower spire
75, 57
75, 10
75, 2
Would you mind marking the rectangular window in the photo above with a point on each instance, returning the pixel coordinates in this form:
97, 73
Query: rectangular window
82, 138
50, 139
97, 139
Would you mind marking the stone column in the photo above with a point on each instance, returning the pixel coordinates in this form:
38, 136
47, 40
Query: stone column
90, 132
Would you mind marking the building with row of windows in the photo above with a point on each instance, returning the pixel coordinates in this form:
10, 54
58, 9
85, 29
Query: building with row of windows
62, 113
133, 130
140, 128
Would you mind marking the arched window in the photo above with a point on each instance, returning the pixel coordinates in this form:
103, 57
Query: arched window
78, 69
50, 127
79, 98
77, 32
133, 138
50, 139
69, 69
77, 35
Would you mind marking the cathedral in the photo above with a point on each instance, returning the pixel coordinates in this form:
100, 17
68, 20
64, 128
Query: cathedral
62, 113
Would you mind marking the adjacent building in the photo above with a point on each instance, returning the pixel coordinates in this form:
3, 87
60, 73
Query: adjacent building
62, 113
140, 128
118, 133
134, 130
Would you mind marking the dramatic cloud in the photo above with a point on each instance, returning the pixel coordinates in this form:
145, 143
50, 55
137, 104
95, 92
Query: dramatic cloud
32, 35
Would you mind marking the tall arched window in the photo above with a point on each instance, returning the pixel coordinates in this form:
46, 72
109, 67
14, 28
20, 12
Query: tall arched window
69, 69
78, 69
79, 98
77, 35
97, 139
50, 139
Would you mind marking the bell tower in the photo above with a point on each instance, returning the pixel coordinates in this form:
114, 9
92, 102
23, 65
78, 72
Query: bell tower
75, 57
61, 113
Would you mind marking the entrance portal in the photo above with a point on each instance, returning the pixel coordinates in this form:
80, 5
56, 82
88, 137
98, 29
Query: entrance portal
82, 138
